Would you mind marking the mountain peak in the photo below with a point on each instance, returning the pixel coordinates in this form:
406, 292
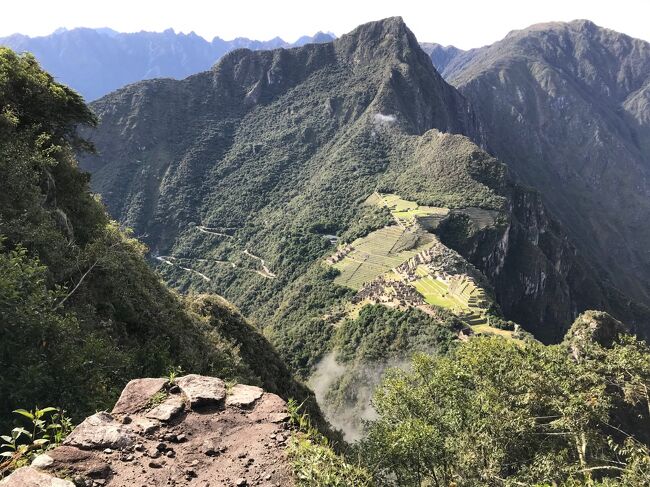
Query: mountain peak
386, 37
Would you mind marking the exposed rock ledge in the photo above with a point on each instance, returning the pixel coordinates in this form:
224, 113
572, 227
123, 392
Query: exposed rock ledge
195, 432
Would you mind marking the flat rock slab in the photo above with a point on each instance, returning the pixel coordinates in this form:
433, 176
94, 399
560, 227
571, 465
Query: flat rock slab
137, 394
243, 396
100, 431
168, 410
202, 391
216, 446
32, 477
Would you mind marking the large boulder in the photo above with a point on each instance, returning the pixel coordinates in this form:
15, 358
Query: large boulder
202, 391
153, 439
137, 394
101, 430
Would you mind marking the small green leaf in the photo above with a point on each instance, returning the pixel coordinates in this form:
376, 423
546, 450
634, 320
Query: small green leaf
25, 413
41, 442
6, 454
6, 438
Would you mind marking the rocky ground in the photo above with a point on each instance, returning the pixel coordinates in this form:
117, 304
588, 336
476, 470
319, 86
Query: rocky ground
194, 432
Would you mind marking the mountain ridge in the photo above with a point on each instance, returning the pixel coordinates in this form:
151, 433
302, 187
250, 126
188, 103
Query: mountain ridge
568, 112
278, 123
97, 61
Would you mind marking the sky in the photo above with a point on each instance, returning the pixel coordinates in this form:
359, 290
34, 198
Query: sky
465, 24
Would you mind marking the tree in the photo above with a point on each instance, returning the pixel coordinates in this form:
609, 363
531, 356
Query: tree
497, 412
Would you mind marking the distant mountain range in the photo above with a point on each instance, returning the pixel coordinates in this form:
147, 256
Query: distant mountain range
97, 61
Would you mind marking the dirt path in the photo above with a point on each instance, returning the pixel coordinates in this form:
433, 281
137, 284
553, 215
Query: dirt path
166, 260
266, 271
212, 231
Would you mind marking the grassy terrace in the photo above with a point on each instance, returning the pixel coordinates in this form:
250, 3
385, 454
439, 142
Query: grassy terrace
406, 212
378, 253
385, 249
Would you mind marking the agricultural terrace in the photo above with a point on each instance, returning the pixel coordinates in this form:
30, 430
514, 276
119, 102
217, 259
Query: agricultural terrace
406, 213
458, 293
378, 253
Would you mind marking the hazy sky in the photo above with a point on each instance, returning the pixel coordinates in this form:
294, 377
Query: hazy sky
469, 23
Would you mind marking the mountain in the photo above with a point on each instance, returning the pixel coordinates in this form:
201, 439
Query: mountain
81, 311
97, 61
566, 107
294, 181
441, 56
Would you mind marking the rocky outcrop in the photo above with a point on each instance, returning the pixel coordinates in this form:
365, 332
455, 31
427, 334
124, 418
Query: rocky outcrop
192, 432
593, 327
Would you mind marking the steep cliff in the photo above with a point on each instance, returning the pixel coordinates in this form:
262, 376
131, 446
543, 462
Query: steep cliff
565, 105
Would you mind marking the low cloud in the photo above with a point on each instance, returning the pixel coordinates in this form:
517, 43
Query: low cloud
384, 119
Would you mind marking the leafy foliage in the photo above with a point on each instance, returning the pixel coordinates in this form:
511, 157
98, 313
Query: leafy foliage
379, 333
49, 427
314, 461
493, 411
81, 312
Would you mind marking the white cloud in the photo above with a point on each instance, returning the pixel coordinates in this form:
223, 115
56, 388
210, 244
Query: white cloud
387, 119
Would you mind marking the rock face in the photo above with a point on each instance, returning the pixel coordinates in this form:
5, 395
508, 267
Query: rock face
541, 280
567, 107
199, 434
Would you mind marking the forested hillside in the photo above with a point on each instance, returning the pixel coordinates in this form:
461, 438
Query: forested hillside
81, 312
270, 151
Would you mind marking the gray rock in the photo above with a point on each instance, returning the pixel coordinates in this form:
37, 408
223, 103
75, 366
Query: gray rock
100, 431
136, 395
201, 390
243, 396
42, 461
31, 477
145, 425
167, 410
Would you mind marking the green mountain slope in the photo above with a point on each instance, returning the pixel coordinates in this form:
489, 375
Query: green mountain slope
234, 175
566, 106
81, 311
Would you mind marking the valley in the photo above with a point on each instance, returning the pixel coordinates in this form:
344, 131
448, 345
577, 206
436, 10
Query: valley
403, 268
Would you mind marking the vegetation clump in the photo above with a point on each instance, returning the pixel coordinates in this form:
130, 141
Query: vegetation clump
315, 463
494, 411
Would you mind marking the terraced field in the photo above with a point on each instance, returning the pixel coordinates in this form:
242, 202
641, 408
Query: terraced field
378, 253
406, 212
